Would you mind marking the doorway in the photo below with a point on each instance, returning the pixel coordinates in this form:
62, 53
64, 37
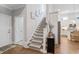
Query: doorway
19, 28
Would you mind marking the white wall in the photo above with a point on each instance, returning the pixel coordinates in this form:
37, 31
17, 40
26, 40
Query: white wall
53, 19
5, 26
33, 23
22, 12
30, 24
5, 30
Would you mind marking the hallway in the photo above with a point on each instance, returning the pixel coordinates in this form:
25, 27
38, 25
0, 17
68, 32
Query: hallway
67, 47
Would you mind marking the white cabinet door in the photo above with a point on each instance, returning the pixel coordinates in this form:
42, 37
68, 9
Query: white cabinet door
5, 30
19, 28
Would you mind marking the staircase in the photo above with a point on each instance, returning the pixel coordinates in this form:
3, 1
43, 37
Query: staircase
38, 37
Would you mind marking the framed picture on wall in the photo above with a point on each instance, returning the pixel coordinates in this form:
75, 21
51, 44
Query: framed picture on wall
32, 14
35, 14
38, 13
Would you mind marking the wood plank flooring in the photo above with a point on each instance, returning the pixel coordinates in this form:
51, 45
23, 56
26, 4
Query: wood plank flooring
67, 47
21, 50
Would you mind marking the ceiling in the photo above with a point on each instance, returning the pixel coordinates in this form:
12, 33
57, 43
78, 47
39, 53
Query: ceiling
13, 6
66, 8
62, 7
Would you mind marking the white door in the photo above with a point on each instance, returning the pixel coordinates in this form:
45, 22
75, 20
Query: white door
19, 29
5, 30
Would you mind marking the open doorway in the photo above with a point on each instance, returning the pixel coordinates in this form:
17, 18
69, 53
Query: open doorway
68, 29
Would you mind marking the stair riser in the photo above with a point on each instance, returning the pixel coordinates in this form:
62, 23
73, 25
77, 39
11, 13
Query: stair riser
36, 41
39, 31
31, 45
38, 35
38, 49
37, 38
35, 47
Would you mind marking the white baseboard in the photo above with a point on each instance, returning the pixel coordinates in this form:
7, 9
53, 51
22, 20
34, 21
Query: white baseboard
44, 51
22, 43
7, 49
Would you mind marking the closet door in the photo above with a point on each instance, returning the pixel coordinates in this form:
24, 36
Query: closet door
19, 29
5, 30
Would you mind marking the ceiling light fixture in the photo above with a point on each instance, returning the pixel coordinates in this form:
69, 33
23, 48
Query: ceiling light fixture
65, 18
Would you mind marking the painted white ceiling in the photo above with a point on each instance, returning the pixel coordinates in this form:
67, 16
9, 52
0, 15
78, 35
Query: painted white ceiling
66, 8
13, 6
61, 7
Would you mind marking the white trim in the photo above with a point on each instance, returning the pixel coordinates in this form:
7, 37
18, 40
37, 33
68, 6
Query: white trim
7, 49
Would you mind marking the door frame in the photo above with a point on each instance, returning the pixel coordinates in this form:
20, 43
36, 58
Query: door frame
14, 29
59, 32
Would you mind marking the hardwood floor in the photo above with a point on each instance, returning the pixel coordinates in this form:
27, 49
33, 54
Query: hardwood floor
67, 47
21, 50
